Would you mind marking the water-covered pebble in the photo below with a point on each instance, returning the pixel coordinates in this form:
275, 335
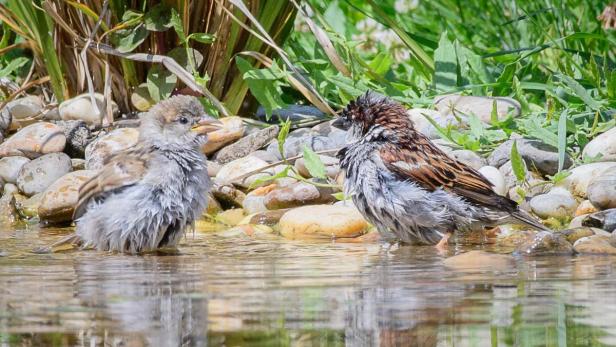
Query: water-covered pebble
332, 166
38, 174
480, 260
580, 177
10, 166
29, 207
59, 199
496, 178
246, 145
34, 140
556, 204
605, 220
322, 222
535, 153
269, 218
231, 217
8, 212
574, 234
82, 108
602, 190
298, 194
480, 106
545, 243
113, 142
595, 244
232, 129
602, 147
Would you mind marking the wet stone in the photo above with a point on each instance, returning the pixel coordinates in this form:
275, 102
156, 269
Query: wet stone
269, 218
34, 140
322, 222
58, 201
228, 196
298, 194
10, 167
595, 244
38, 174
232, 129
545, 243
605, 220
78, 137
572, 235
602, 190
535, 153
231, 217
602, 147
246, 145
480, 260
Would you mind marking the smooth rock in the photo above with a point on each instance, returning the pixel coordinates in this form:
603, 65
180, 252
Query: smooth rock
496, 178
34, 140
77, 137
298, 194
532, 178
231, 217
480, 106
579, 179
269, 218
535, 153
29, 207
470, 158
332, 166
423, 125
602, 190
10, 188
585, 207
228, 196
213, 168
595, 244
554, 204
338, 136
111, 143
232, 129
577, 221
602, 147
59, 199
515, 238
574, 234
213, 207
82, 108
8, 212
301, 138
10, 167
322, 221
24, 111
291, 112
246, 145
545, 243
480, 260
255, 200
231, 171
5, 122
265, 156
140, 98
38, 174
605, 220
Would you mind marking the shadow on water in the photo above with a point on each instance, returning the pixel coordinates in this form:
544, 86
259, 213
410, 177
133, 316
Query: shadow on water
242, 292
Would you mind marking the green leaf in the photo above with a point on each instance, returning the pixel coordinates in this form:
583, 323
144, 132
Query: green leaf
314, 164
517, 163
505, 80
561, 175
131, 38
282, 136
445, 65
562, 139
340, 196
476, 126
494, 114
130, 15
161, 82
265, 90
282, 174
13, 66
580, 92
158, 18
381, 63
202, 37
176, 22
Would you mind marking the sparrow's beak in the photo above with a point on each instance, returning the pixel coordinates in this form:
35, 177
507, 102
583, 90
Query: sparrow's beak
206, 125
341, 123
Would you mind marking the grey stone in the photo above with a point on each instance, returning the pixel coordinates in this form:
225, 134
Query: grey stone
605, 220
602, 147
298, 194
602, 190
38, 174
293, 112
535, 153
469, 158
559, 204
480, 106
545, 243
78, 137
246, 145
10, 167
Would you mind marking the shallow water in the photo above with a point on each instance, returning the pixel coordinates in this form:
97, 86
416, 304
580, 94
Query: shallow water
237, 291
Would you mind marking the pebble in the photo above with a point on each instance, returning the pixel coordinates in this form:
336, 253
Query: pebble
213, 207
59, 199
496, 178
34, 140
515, 238
24, 111
229, 172
602, 147
532, 178
423, 125
228, 196
469, 158
480, 106
5, 122
574, 234
231, 217
585, 207
106, 145
545, 243
293, 112
8, 212
213, 168
29, 207
301, 138
269, 218
595, 244
298, 194
82, 108
246, 145
602, 190
581, 177
535, 153
576, 222
326, 129
38, 174
265, 156
556, 204
332, 166
605, 220
255, 200
480, 260
77, 137
10, 166
322, 222
232, 129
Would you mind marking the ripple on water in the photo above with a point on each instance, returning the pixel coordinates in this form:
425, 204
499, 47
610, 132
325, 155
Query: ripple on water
242, 291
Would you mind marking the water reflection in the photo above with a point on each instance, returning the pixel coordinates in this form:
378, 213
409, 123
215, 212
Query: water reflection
242, 292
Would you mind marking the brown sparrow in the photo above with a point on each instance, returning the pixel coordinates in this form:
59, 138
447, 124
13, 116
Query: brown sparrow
403, 183
144, 198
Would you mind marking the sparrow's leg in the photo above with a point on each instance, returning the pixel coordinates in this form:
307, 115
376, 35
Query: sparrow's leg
442, 244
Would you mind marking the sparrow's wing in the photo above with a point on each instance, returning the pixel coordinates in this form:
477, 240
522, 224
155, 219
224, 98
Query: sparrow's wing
428, 166
119, 172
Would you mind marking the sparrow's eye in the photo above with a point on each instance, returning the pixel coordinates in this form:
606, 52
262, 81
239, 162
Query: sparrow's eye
183, 120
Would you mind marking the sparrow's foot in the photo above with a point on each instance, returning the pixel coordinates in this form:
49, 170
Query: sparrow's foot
443, 243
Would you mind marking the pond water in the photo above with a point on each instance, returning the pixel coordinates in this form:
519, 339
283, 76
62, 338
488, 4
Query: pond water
238, 291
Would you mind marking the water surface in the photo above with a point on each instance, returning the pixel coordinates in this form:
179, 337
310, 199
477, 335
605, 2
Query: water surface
239, 291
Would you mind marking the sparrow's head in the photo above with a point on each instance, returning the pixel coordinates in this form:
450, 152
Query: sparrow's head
177, 121
374, 117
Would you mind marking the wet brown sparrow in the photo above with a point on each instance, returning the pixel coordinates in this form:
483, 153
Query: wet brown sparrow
405, 184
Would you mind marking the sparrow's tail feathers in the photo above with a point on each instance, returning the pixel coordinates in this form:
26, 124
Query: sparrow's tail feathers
526, 219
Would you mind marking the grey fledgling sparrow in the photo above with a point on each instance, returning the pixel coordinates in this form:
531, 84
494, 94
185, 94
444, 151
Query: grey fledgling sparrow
404, 184
145, 197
